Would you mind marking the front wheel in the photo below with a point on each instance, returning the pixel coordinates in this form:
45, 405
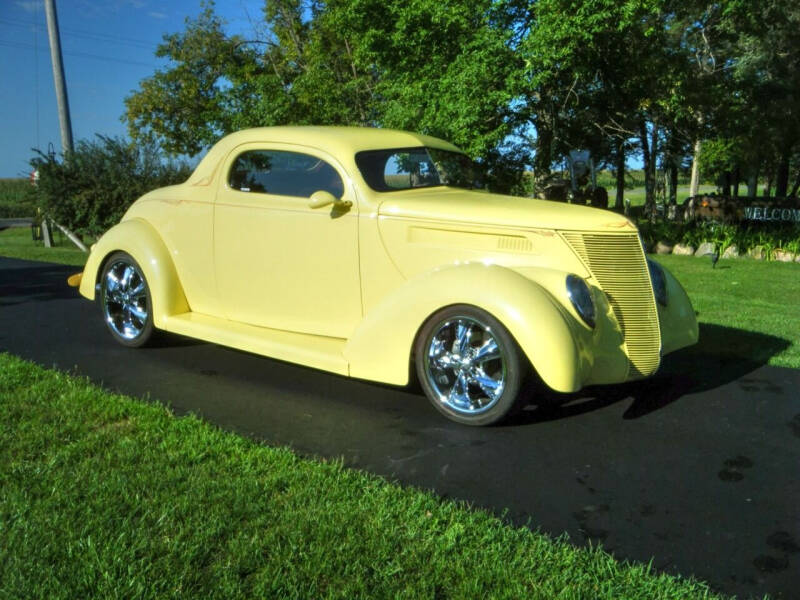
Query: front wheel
469, 366
125, 300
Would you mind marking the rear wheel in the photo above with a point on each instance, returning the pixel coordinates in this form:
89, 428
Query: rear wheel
125, 300
469, 365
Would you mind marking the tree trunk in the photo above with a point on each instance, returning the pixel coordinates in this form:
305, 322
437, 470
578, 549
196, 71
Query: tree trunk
795, 187
620, 199
673, 182
694, 186
544, 148
654, 158
726, 183
736, 178
671, 171
782, 177
752, 183
649, 160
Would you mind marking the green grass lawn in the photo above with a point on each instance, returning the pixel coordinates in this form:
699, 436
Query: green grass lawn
17, 242
105, 496
744, 294
637, 195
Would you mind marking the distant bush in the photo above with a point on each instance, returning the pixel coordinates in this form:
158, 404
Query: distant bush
92, 187
17, 198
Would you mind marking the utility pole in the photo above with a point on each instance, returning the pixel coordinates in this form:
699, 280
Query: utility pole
58, 76
61, 93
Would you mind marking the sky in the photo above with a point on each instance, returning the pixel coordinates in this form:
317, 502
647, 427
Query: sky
108, 48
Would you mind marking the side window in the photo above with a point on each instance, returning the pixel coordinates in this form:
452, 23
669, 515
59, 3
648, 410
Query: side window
283, 174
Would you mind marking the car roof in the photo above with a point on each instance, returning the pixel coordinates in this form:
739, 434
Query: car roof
340, 142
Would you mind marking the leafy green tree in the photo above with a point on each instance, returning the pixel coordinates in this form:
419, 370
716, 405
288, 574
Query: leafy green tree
431, 67
766, 71
187, 106
513, 82
593, 78
441, 68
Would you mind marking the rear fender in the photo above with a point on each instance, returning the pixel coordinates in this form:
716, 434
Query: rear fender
139, 239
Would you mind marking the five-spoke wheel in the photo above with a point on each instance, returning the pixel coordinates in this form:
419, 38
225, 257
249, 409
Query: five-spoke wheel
469, 365
125, 300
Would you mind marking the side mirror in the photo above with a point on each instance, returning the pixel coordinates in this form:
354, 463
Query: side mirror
321, 199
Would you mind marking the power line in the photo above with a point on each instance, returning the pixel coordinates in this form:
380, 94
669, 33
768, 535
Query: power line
88, 35
78, 54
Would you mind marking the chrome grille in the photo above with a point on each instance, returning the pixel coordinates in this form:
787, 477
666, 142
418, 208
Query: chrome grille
618, 264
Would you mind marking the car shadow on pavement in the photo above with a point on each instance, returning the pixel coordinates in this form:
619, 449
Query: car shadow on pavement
722, 355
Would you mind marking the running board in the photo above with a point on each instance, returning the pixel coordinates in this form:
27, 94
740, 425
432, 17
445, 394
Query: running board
310, 350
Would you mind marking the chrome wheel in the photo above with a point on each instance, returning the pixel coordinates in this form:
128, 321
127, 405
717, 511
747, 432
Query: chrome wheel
126, 306
465, 366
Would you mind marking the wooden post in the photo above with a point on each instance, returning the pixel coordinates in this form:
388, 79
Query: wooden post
694, 186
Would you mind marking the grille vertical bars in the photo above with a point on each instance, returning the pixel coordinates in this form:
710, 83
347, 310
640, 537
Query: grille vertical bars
617, 263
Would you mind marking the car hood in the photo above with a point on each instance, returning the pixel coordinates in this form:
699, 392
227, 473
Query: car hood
481, 208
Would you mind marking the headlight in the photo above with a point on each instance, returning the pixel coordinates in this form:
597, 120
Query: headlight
581, 298
659, 281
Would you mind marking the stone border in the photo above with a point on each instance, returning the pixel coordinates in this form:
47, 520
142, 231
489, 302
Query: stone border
708, 249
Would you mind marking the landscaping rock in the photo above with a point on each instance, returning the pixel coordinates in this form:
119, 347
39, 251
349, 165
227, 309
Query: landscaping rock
683, 250
663, 248
705, 249
757, 253
731, 252
783, 255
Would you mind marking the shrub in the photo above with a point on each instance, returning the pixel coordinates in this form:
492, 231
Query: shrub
744, 236
92, 187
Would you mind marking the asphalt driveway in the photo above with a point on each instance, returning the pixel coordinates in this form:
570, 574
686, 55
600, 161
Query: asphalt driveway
698, 469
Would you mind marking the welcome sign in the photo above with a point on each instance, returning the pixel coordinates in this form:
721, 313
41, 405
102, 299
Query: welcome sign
727, 209
767, 213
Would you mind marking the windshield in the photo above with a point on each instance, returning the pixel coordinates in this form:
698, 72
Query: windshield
406, 168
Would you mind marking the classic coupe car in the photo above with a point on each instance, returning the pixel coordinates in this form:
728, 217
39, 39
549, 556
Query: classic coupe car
367, 252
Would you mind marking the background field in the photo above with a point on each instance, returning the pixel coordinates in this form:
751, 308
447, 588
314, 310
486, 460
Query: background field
16, 199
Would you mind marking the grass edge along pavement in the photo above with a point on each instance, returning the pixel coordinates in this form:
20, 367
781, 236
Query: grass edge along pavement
106, 496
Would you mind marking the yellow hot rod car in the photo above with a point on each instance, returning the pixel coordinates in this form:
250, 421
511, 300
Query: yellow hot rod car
367, 253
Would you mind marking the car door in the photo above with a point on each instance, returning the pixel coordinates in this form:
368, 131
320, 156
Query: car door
280, 263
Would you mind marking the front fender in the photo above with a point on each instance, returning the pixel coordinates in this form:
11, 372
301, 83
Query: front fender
381, 346
678, 320
139, 239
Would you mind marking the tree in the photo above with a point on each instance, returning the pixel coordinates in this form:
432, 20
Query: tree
186, 107
593, 78
767, 71
439, 68
513, 82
